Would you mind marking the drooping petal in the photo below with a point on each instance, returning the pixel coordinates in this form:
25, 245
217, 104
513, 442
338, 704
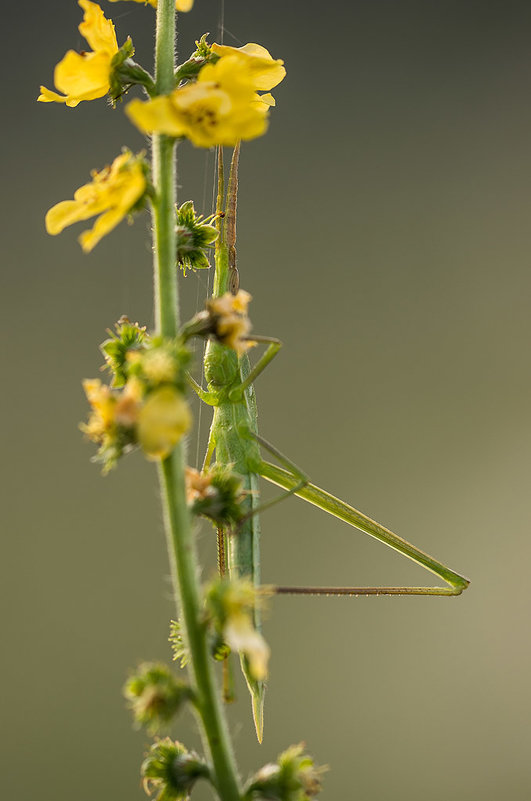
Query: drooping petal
103, 225
68, 212
47, 96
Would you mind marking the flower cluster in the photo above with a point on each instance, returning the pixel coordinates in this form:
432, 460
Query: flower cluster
216, 101
217, 494
225, 318
145, 403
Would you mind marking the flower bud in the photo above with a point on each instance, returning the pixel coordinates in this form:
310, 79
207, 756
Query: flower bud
226, 320
127, 338
170, 771
194, 235
126, 73
155, 696
193, 66
217, 494
231, 605
293, 777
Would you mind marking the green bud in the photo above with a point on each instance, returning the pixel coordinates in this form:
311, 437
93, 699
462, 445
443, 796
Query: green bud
126, 73
293, 777
155, 696
193, 66
170, 771
155, 363
194, 235
219, 648
203, 48
217, 494
126, 338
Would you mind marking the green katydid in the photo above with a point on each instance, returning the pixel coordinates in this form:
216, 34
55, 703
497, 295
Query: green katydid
234, 439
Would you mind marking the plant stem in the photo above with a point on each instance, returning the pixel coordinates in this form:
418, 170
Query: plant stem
178, 526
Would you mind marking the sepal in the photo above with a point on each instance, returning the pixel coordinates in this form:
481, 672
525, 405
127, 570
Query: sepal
155, 696
194, 236
170, 771
293, 777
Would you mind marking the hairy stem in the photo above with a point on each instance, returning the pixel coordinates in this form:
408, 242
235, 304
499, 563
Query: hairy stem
178, 525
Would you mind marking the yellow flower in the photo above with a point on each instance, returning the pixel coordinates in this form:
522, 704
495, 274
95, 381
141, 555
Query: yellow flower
159, 366
242, 637
197, 484
102, 402
163, 420
232, 325
265, 71
180, 5
232, 605
112, 193
85, 76
220, 108
128, 403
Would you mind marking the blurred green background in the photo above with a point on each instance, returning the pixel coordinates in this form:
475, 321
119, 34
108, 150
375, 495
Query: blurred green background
384, 234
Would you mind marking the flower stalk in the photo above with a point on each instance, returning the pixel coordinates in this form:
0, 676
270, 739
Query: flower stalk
178, 525
213, 99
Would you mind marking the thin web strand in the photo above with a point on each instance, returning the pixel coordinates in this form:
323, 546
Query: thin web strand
201, 284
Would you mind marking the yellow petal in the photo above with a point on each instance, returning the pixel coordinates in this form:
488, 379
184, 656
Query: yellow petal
241, 636
163, 420
267, 99
103, 225
62, 214
97, 30
83, 77
47, 96
265, 71
157, 115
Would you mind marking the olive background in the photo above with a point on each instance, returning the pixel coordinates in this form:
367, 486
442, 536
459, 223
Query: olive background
384, 235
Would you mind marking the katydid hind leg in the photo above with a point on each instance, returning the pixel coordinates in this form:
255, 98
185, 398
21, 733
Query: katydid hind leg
295, 471
343, 511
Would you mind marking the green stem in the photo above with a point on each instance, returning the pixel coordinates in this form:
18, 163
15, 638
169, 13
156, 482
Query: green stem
178, 525
181, 549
